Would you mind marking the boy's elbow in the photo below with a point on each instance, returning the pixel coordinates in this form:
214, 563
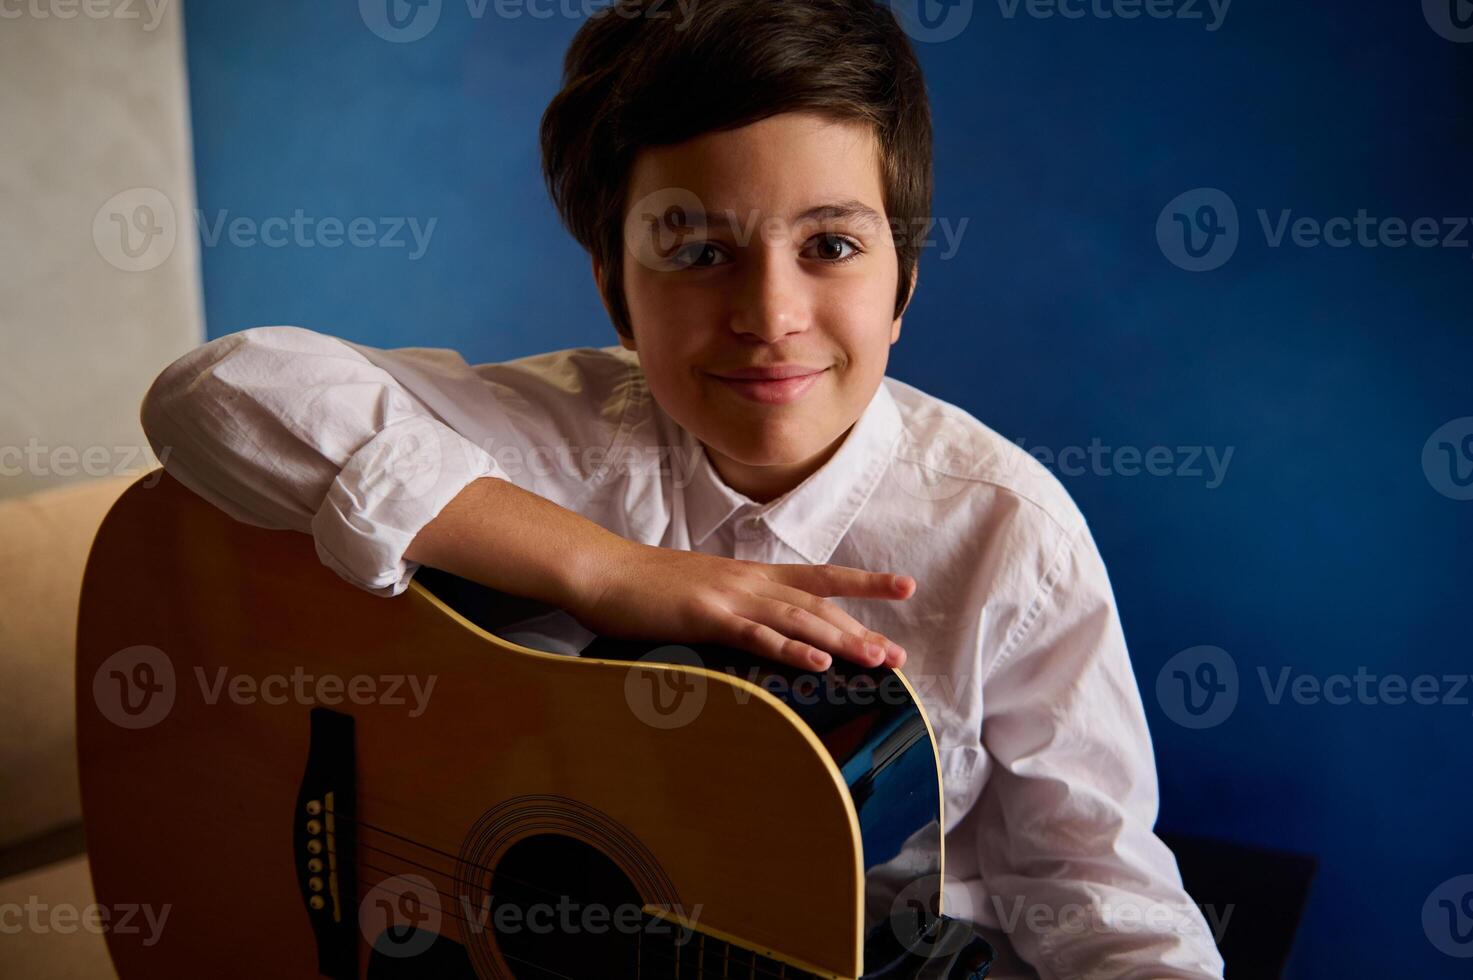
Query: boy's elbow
177, 391
160, 403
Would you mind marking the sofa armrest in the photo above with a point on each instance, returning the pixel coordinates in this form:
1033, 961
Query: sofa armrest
44, 541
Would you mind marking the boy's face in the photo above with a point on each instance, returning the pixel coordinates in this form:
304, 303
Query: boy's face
792, 264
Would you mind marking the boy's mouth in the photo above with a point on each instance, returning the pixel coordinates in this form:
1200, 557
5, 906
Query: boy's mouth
776, 385
769, 372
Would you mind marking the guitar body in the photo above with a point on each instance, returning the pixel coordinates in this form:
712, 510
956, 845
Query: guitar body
293, 778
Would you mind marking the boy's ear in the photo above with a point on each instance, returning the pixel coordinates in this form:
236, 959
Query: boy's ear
626, 342
915, 275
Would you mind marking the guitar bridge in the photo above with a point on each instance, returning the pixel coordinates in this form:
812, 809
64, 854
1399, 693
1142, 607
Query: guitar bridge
324, 838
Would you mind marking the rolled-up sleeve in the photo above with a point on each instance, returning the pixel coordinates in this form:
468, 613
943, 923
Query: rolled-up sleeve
282, 427
1071, 868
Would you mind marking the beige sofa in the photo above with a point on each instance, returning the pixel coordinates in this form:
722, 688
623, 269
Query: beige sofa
45, 887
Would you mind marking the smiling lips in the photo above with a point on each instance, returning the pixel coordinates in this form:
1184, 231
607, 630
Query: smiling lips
778, 384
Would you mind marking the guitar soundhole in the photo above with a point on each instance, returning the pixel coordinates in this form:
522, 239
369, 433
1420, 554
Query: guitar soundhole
561, 908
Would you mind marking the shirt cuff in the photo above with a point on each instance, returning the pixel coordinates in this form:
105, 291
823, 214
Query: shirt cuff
390, 488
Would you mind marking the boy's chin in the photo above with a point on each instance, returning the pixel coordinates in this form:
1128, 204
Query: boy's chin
775, 450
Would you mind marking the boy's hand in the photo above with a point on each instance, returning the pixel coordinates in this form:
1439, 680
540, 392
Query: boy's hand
773, 611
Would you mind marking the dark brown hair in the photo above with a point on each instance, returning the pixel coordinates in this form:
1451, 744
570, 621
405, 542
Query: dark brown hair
656, 73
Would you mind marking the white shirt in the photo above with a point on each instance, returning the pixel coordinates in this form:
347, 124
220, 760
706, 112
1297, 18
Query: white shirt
1014, 642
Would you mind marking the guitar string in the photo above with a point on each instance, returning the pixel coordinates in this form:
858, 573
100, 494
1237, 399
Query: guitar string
445, 854
460, 881
755, 970
450, 875
696, 960
457, 880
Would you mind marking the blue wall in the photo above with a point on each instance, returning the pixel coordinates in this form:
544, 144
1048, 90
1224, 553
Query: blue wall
1062, 320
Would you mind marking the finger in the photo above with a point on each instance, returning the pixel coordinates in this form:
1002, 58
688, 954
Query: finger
857, 638
764, 641
841, 580
792, 619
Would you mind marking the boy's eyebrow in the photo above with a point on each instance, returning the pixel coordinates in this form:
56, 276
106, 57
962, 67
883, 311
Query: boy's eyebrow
835, 211
841, 210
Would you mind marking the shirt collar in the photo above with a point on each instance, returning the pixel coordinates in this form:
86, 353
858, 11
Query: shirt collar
814, 516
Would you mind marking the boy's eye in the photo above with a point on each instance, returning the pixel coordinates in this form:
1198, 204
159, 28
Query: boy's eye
697, 255
831, 248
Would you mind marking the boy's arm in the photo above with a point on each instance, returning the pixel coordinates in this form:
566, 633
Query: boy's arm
286, 428
282, 427
1070, 865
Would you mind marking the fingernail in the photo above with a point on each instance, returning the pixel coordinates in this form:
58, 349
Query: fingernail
875, 652
820, 661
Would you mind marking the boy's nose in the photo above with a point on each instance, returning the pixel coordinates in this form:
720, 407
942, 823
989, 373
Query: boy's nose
771, 303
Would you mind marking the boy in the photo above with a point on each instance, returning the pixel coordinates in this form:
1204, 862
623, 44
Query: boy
738, 469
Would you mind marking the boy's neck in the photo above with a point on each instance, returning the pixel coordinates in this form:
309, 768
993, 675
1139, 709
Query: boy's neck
763, 484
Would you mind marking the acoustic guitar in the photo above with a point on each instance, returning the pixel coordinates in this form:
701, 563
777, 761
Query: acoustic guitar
285, 776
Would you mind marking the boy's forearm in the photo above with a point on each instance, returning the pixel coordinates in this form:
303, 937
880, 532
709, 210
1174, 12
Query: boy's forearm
495, 533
